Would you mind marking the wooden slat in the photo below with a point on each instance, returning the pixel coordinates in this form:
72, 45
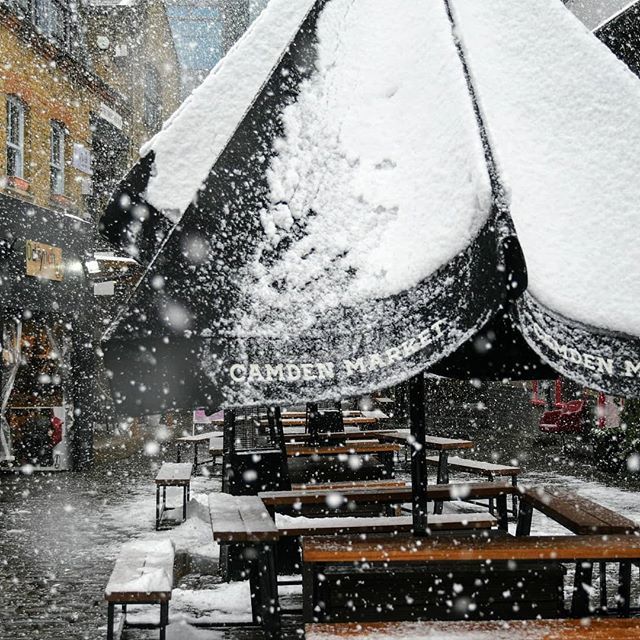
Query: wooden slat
434, 443
349, 484
478, 549
437, 522
576, 513
200, 437
388, 495
589, 629
174, 473
351, 448
340, 435
477, 466
240, 519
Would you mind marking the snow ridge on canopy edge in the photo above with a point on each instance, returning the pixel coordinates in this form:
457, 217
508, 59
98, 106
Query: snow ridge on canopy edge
208, 118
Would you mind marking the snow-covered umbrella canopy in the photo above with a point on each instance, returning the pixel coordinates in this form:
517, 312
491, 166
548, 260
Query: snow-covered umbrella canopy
351, 196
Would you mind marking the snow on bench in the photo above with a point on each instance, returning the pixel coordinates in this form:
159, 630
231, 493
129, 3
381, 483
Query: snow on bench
240, 519
143, 574
488, 469
144, 569
578, 514
301, 526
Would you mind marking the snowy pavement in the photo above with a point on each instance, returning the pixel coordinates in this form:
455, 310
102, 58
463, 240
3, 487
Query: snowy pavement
60, 535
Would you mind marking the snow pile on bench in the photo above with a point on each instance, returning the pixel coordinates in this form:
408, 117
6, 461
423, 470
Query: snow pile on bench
143, 566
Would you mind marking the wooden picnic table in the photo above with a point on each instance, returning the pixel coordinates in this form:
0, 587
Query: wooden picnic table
537, 558
195, 441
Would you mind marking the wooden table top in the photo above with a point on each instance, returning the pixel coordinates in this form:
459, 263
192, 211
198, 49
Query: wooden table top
351, 448
347, 420
436, 443
174, 473
406, 548
388, 494
578, 629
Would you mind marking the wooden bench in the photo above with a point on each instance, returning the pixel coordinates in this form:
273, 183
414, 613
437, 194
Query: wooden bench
489, 470
580, 515
348, 498
244, 520
591, 629
496, 572
143, 574
172, 474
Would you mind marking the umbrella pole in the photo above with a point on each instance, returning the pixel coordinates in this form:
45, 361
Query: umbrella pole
418, 455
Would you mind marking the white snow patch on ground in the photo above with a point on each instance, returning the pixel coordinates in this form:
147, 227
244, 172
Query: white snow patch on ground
193, 536
564, 118
206, 121
381, 159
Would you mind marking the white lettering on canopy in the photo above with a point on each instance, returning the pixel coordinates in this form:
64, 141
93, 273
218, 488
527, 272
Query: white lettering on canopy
310, 371
589, 361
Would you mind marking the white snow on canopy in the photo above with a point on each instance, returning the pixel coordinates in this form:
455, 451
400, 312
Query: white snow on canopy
595, 12
381, 158
202, 127
564, 118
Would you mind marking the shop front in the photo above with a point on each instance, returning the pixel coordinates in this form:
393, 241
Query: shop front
47, 320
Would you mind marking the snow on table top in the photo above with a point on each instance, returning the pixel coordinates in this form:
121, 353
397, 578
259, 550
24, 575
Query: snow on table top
564, 117
383, 147
194, 137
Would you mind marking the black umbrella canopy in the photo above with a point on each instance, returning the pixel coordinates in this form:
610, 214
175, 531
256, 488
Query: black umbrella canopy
335, 209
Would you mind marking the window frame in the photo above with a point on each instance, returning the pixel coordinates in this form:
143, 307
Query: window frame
43, 13
14, 102
57, 161
152, 93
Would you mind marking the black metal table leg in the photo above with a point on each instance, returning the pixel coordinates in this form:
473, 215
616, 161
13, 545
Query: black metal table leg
624, 590
157, 507
503, 512
443, 476
525, 514
603, 586
581, 590
184, 503
110, 620
308, 591
514, 502
164, 619
267, 577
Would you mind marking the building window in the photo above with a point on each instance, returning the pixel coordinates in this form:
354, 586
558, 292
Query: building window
57, 158
15, 137
22, 6
152, 100
51, 19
